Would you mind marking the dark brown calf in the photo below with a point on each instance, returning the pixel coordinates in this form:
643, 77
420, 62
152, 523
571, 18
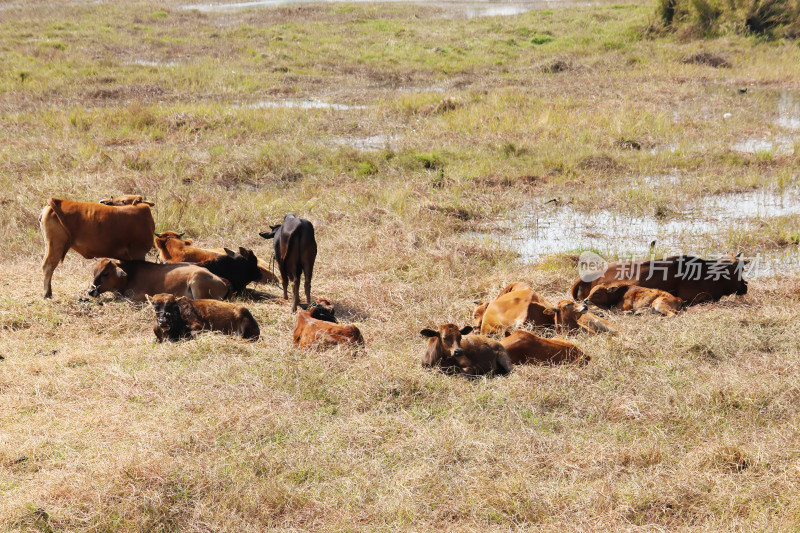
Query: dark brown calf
692, 279
455, 352
182, 317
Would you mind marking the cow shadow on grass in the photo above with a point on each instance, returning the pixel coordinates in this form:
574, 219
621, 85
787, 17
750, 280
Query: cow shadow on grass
346, 312
253, 295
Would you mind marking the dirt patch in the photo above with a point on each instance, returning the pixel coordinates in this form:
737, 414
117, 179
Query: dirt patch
126, 92
706, 58
554, 67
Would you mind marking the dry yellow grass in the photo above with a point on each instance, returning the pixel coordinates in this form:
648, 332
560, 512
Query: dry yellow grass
676, 424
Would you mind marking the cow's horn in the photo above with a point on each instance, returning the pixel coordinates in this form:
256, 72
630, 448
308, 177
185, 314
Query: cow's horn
181, 234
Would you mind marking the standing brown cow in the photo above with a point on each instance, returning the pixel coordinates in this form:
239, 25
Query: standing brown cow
295, 253
93, 230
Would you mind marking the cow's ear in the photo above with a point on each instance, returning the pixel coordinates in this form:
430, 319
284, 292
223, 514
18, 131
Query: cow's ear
120, 273
466, 330
228, 252
550, 311
267, 234
151, 204
429, 333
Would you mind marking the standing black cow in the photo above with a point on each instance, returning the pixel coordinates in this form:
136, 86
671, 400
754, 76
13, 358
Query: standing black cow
295, 252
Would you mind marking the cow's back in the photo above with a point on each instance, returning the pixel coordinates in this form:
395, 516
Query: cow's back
97, 230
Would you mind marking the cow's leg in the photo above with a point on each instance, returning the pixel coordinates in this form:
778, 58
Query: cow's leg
295, 293
52, 257
285, 281
307, 284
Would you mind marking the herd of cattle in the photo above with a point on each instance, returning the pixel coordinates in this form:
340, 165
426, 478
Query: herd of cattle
186, 286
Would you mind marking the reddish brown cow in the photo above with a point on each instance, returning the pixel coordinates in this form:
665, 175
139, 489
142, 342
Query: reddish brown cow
690, 278
93, 230
316, 327
629, 297
571, 316
136, 280
173, 248
524, 347
178, 318
456, 352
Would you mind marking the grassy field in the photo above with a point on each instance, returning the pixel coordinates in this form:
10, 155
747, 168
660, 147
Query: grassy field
396, 129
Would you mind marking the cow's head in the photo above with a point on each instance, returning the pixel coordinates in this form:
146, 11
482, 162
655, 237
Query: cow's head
444, 346
607, 295
273, 230
162, 238
108, 275
567, 313
168, 312
126, 199
478, 312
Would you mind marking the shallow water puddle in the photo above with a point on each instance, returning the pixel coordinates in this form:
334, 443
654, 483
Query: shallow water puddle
780, 145
370, 143
303, 103
541, 229
788, 110
469, 9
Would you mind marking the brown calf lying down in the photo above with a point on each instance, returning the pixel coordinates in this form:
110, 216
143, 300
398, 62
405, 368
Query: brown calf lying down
628, 297
316, 327
180, 318
136, 280
173, 248
126, 199
573, 316
513, 309
524, 347
93, 230
690, 278
455, 352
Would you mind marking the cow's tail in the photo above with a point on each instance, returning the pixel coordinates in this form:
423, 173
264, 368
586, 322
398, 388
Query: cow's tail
55, 207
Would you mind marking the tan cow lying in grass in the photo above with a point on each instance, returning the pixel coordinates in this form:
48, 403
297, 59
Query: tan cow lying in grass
136, 280
629, 297
126, 199
455, 352
316, 327
181, 317
173, 248
524, 347
515, 307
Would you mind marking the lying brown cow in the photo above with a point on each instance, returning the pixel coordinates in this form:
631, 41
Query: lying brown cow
180, 318
136, 280
93, 230
572, 316
480, 308
524, 347
629, 297
126, 199
690, 278
511, 310
173, 248
316, 327
456, 352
